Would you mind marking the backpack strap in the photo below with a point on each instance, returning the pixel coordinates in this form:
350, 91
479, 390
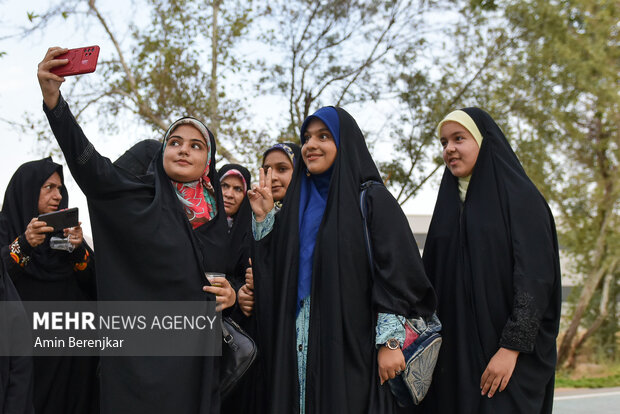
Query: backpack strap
364, 209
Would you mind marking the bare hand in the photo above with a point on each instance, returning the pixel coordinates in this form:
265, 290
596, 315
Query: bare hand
36, 232
249, 277
246, 300
76, 237
225, 295
391, 363
498, 371
50, 83
260, 195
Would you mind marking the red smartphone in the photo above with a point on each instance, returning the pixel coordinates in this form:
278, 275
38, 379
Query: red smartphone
81, 60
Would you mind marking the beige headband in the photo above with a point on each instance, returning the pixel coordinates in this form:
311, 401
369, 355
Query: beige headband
464, 119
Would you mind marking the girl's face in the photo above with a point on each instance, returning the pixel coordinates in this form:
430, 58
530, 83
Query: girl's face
281, 173
50, 196
460, 149
186, 154
319, 149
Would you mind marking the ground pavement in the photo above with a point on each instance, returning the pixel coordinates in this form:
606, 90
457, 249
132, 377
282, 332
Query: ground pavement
587, 401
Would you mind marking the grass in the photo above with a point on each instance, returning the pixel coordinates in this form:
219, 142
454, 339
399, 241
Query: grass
609, 376
598, 382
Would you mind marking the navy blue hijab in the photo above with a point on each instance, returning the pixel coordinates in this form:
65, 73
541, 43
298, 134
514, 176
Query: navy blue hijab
342, 374
312, 202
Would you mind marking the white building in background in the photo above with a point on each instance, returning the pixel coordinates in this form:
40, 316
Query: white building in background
420, 223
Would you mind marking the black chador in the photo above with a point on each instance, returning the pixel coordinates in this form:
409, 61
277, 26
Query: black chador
15, 370
62, 384
493, 260
136, 160
242, 398
147, 250
240, 229
342, 374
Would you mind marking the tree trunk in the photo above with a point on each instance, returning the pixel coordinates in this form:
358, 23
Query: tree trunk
214, 104
589, 287
593, 279
213, 98
602, 315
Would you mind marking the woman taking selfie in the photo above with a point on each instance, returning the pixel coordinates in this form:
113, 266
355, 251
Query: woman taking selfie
156, 235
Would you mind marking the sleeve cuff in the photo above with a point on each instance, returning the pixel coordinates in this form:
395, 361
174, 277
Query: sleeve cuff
24, 246
390, 326
58, 110
520, 331
20, 250
263, 228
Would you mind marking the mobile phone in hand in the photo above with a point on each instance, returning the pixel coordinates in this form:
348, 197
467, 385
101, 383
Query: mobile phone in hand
61, 219
81, 60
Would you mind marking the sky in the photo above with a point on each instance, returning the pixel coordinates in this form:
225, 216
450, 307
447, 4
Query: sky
20, 93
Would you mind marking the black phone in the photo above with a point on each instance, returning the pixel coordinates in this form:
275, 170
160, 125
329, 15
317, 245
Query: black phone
61, 219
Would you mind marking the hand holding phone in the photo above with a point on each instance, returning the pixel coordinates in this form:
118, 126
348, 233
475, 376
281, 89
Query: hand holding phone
36, 231
61, 219
80, 60
50, 81
74, 235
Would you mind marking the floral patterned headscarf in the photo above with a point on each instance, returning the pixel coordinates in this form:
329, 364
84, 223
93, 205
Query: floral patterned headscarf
197, 197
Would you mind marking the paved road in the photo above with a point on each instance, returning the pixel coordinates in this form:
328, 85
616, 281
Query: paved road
587, 401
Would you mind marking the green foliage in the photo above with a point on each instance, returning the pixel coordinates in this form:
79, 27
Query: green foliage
547, 71
338, 52
179, 62
606, 342
588, 382
570, 86
176, 65
563, 89
483, 5
371, 55
433, 79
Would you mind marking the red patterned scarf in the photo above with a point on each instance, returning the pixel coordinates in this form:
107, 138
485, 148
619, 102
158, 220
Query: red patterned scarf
197, 197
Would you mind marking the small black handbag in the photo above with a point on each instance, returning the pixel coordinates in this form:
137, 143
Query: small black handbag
238, 354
